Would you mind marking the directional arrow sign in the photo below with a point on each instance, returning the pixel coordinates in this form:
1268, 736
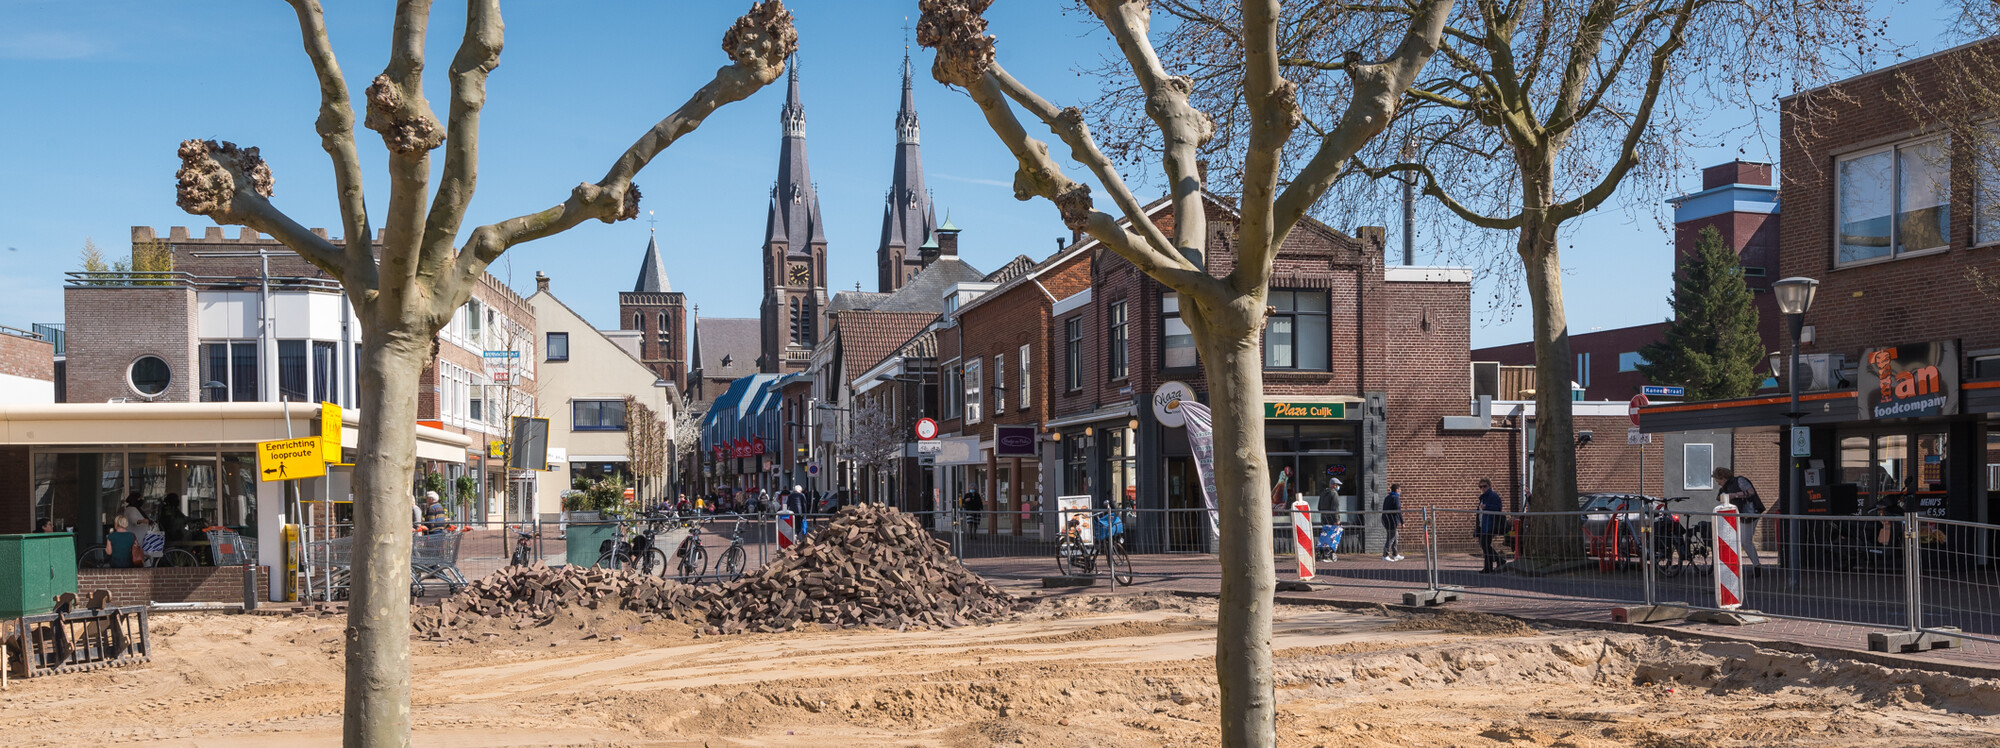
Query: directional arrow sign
287, 459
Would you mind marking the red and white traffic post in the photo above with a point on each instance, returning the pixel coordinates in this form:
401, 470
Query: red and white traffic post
788, 529
1302, 537
1728, 559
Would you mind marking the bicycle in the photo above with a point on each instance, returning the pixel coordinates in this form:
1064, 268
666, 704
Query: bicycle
638, 554
524, 553
95, 558
729, 567
1074, 557
691, 559
1675, 545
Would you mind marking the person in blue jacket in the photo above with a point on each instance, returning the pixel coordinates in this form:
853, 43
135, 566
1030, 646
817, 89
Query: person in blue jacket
1490, 524
1392, 523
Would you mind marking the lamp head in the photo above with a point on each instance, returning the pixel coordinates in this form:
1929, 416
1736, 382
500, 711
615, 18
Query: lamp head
1795, 294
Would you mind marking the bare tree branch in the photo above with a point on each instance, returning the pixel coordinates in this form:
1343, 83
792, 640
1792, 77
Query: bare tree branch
478, 54
336, 133
1183, 129
232, 186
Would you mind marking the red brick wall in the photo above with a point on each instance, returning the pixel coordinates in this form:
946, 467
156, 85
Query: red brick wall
1009, 318
28, 357
194, 584
1914, 299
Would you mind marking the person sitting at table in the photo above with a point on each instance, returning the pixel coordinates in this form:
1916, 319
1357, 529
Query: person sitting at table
121, 547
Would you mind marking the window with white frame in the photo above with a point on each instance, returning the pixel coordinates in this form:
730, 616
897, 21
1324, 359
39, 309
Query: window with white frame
1176, 340
1023, 385
1119, 333
999, 384
973, 391
1892, 201
1986, 188
1698, 466
1073, 354
954, 392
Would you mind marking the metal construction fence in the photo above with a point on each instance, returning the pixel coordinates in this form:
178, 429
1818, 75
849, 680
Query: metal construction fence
1897, 573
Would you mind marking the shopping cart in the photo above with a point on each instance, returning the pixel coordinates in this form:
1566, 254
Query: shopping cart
232, 549
330, 563
435, 558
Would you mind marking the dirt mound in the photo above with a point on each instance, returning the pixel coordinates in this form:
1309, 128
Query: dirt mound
869, 566
1119, 631
1463, 622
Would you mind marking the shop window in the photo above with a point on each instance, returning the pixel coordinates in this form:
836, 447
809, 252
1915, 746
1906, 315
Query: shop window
558, 347
1120, 339
597, 415
1630, 361
1986, 367
1698, 466
1176, 340
150, 375
1076, 465
1295, 336
1073, 354
1892, 201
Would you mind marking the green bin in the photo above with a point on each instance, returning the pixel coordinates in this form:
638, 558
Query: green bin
581, 541
34, 569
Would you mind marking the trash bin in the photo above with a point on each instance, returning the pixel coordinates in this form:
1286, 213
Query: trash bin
34, 569
582, 540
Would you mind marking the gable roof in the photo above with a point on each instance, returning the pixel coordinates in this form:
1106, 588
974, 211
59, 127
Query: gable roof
585, 324
925, 291
1014, 269
733, 338
868, 337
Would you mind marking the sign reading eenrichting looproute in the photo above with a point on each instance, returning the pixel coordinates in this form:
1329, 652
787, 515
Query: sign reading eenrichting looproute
286, 459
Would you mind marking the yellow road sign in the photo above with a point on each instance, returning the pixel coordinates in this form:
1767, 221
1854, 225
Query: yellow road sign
286, 459
329, 431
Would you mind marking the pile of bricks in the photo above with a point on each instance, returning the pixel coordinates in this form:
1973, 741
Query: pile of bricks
868, 566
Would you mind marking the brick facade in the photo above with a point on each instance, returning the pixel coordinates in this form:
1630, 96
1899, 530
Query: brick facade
110, 327
22, 356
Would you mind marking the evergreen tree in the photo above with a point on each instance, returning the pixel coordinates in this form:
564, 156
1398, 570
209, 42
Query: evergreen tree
1711, 346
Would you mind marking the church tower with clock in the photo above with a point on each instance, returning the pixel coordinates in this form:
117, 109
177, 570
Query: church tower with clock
794, 311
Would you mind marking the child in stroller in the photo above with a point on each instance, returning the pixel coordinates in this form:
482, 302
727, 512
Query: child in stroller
1326, 547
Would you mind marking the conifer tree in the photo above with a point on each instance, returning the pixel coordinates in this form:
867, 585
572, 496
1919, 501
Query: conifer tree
1711, 346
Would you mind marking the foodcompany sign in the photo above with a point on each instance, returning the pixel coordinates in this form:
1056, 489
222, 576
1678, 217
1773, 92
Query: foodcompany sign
1909, 381
1326, 411
1014, 441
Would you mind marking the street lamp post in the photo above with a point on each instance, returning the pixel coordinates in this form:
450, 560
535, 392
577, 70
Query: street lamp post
1795, 298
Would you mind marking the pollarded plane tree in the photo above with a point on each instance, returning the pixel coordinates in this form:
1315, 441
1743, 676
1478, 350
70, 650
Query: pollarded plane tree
1227, 312
1535, 113
425, 271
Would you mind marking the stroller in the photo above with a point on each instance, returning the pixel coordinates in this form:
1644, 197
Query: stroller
1326, 547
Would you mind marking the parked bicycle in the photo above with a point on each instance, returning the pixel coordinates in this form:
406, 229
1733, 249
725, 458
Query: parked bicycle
1075, 557
690, 559
1677, 545
637, 553
524, 552
729, 567
175, 557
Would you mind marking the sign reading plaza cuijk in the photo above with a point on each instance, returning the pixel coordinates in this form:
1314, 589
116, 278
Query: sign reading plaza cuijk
1909, 381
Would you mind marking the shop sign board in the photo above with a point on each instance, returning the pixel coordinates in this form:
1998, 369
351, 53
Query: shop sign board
1013, 441
329, 432
500, 365
1909, 381
1167, 402
1310, 411
1075, 514
287, 459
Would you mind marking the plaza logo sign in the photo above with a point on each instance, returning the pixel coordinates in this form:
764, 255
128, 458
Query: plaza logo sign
1909, 381
1325, 411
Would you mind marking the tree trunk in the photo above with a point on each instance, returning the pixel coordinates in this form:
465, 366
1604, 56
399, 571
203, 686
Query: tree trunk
1233, 360
378, 612
1549, 538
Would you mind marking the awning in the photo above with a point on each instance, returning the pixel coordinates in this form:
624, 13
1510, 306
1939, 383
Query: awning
1109, 412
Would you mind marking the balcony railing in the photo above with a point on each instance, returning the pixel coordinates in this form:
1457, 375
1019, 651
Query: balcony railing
150, 279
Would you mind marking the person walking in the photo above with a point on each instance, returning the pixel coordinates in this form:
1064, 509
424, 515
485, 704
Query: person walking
972, 505
1489, 526
434, 514
1392, 522
1738, 491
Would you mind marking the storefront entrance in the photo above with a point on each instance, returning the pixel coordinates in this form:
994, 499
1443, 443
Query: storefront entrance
183, 491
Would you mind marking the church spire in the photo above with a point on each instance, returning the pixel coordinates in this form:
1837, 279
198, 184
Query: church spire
793, 116
907, 218
795, 218
652, 272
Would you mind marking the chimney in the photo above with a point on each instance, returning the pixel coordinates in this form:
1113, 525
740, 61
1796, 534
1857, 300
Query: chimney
541, 282
947, 238
1736, 172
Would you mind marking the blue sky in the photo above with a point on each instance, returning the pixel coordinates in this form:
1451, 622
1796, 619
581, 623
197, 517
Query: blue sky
102, 92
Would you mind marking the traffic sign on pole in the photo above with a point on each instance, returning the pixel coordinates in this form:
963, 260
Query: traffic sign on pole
927, 429
286, 459
1638, 401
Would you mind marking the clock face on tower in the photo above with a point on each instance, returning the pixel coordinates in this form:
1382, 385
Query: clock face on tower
801, 275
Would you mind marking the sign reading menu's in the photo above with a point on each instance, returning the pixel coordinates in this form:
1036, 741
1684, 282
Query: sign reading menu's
1909, 381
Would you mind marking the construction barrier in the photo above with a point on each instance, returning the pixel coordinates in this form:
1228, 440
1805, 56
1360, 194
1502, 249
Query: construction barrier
1728, 559
1302, 538
788, 530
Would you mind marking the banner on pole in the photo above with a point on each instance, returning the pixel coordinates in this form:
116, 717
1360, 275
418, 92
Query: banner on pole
1201, 440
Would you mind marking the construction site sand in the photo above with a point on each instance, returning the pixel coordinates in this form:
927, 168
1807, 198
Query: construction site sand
1076, 671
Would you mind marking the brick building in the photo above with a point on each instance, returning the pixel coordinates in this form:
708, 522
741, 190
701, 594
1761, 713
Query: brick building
27, 367
244, 319
658, 314
1885, 208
